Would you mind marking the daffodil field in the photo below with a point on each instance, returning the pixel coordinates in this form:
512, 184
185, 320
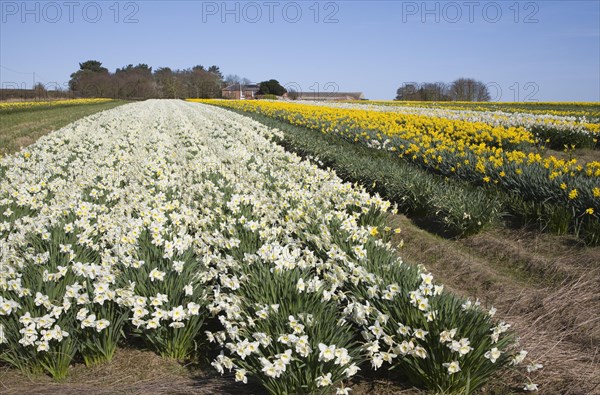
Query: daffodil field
498, 152
554, 129
580, 110
186, 227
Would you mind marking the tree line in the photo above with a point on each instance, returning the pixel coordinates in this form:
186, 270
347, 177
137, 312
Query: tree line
142, 82
463, 89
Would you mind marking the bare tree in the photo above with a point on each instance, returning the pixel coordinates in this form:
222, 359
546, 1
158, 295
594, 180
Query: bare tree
231, 79
468, 89
170, 85
408, 91
434, 91
463, 89
134, 82
40, 91
202, 84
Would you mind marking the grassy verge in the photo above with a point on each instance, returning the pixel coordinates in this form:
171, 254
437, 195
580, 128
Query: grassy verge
21, 128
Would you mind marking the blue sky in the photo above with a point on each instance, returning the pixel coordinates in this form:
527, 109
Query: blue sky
525, 50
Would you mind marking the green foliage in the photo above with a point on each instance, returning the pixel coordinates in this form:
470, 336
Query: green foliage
271, 87
99, 347
93, 66
557, 139
49, 272
183, 286
292, 314
453, 319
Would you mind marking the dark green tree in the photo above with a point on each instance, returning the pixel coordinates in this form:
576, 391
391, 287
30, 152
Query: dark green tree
141, 68
271, 87
216, 71
93, 65
90, 75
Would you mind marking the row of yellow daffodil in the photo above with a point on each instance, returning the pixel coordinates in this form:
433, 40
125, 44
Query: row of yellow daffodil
553, 131
356, 124
570, 109
428, 139
475, 152
28, 105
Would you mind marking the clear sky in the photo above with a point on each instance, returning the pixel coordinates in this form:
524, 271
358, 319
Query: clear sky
525, 50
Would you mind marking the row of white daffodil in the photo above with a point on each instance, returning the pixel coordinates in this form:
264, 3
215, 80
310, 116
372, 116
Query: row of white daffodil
163, 219
554, 130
